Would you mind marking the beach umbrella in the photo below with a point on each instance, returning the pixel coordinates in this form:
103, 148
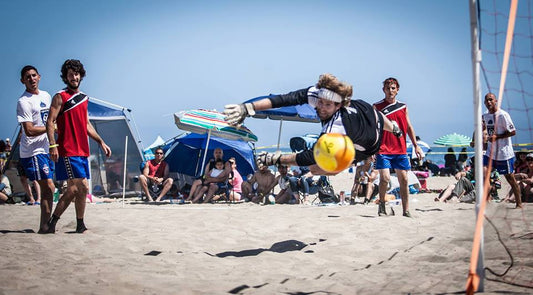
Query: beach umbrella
211, 123
186, 151
453, 139
298, 113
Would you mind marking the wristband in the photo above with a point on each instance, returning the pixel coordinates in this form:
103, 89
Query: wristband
53, 145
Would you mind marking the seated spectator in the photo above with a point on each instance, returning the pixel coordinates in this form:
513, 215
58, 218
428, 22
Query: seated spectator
215, 172
520, 165
235, 181
27, 186
300, 182
218, 153
463, 190
462, 159
365, 174
5, 188
259, 185
155, 174
3, 155
524, 180
428, 165
8, 147
450, 163
285, 194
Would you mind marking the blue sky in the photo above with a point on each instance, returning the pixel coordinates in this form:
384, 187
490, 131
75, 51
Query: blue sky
160, 57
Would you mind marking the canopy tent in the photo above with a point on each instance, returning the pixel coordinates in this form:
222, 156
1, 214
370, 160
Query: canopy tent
112, 122
298, 113
187, 151
148, 152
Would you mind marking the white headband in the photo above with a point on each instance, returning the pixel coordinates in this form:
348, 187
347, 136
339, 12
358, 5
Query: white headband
329, 95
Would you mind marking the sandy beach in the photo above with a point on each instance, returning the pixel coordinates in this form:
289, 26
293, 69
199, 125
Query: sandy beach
139, 248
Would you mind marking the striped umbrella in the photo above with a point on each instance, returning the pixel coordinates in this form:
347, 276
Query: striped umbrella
453, 139
211, 123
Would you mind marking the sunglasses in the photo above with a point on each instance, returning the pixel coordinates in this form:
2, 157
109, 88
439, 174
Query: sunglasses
158, 153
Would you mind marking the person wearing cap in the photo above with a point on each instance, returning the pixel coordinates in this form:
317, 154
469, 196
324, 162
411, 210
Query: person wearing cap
338, 113
393, 151
498, 128
32, 111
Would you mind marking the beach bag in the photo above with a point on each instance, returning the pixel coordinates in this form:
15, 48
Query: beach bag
327, 195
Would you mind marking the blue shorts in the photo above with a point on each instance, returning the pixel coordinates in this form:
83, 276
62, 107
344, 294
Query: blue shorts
503, 167
38, 167
400, 162
72, 167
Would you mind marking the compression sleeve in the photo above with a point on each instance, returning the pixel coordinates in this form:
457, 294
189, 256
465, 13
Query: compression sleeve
292, 98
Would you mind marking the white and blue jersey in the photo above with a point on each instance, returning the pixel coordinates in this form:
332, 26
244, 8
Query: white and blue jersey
33, 108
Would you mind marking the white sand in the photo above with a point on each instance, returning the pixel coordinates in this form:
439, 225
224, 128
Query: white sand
280, 249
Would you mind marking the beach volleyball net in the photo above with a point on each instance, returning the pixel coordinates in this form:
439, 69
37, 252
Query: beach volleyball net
505, 234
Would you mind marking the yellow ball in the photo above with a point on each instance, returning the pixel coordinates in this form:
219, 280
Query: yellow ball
334, 152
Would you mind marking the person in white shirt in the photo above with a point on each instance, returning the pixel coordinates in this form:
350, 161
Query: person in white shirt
32, 111
499, 129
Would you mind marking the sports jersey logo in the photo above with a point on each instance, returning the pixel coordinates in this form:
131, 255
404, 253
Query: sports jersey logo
46, 169
44, 115
43, 105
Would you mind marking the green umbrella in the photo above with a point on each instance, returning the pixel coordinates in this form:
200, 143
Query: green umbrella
453, 139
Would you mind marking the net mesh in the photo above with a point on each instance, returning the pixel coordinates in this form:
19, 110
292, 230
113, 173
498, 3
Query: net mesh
508, 232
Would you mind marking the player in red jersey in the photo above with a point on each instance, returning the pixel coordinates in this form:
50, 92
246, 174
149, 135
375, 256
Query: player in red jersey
71, 150
393, 151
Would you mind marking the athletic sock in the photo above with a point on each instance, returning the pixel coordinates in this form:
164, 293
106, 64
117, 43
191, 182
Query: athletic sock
80, 228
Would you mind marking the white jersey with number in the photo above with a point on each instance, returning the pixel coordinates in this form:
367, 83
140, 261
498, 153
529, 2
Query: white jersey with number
33, 108
499, 123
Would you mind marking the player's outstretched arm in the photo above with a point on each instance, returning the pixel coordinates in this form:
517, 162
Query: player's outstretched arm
236, 113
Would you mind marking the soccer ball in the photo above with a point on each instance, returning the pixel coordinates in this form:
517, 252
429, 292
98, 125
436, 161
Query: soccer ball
333, 152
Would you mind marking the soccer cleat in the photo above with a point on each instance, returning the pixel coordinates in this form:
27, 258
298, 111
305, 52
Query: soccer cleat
381, 208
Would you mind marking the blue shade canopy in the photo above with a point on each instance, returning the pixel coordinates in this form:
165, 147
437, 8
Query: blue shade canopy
453, 139
186, 152
299, 113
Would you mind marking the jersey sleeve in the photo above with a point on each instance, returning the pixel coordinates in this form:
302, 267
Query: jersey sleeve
292, 98
24, 113
509, 123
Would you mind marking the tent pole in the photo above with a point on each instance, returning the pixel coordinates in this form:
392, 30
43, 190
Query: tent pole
205, 152
279, 132
124, 179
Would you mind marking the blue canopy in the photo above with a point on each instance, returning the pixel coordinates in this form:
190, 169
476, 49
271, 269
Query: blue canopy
101, 112
186, 152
